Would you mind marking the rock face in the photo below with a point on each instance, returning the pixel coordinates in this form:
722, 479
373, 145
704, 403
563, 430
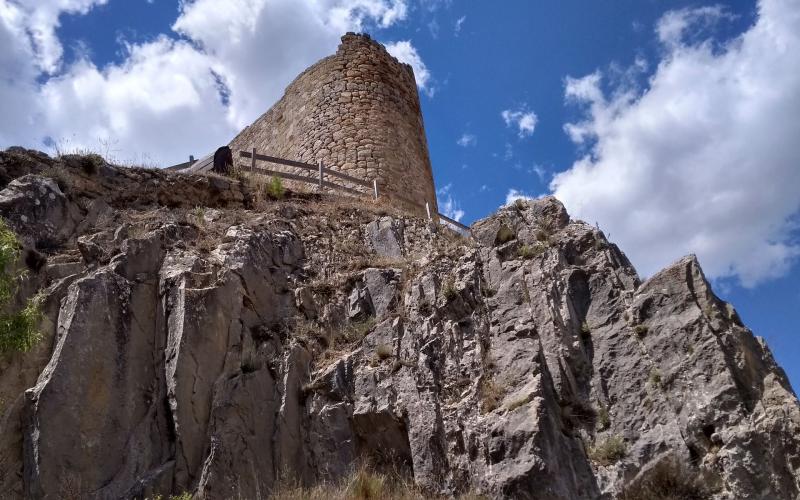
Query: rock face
222, 351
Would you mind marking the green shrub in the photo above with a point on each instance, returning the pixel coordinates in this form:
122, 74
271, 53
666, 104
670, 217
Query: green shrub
275, 188
608, 451
18, 331
10, 248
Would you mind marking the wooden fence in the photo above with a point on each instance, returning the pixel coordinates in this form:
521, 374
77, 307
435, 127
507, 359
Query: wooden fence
318, 175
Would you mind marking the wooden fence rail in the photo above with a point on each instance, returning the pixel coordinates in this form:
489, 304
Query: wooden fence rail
319, 180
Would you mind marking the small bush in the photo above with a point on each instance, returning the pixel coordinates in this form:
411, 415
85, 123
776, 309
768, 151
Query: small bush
91, 163
608, 451
199, 214
491, 394
586, 332
449, 289
640, 330
20, 331
504, 235
384, 351
529, 252
672, 480
275, 188
603, 418
10, 249
655, 379
544, 235
489, 292
357, 330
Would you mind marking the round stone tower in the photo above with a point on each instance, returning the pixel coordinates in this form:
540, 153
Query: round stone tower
357, 112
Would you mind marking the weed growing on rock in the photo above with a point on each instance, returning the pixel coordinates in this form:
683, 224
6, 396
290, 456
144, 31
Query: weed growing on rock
9, 253
640, 331
528, 252
357, 330
672, 480
504, 235
181, 496
199, 214
608, 451
18, 331
603, 418
491, 395
384, 351
586, 332
364, 483
449, 289
275, 188
655, 379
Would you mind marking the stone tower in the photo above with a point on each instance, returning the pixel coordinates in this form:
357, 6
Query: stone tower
358, 112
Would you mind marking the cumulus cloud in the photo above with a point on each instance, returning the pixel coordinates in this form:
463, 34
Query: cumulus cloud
405, 52
447, 204
704, 159
523, 120
515, 194
467, 140
174, 95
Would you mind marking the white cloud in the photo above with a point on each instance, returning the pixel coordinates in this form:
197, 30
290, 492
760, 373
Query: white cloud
170, 97
459, 24
540, 171
447, 204
515, 194
467, 140
405, 52
704, 159
521, 119
675, 25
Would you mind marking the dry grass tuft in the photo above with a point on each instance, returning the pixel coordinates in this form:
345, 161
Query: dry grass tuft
672, 480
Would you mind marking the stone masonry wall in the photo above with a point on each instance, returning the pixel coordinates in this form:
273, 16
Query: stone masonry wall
358, 112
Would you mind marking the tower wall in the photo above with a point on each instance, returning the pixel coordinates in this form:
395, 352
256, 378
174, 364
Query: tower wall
358, 112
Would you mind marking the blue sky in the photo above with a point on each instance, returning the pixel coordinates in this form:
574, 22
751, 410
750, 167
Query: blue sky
672, 124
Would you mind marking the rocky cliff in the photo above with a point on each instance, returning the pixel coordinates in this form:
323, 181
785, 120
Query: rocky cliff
193, 335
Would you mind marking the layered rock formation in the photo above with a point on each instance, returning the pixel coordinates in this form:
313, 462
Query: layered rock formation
198, 338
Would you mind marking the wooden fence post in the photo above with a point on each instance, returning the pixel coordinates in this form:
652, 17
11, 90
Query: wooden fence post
320, 176
253, 161
375, 187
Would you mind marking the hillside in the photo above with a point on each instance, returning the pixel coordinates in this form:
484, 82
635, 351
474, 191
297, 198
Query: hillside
166, 334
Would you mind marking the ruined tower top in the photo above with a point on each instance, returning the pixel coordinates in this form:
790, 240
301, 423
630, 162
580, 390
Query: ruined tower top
358, 112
